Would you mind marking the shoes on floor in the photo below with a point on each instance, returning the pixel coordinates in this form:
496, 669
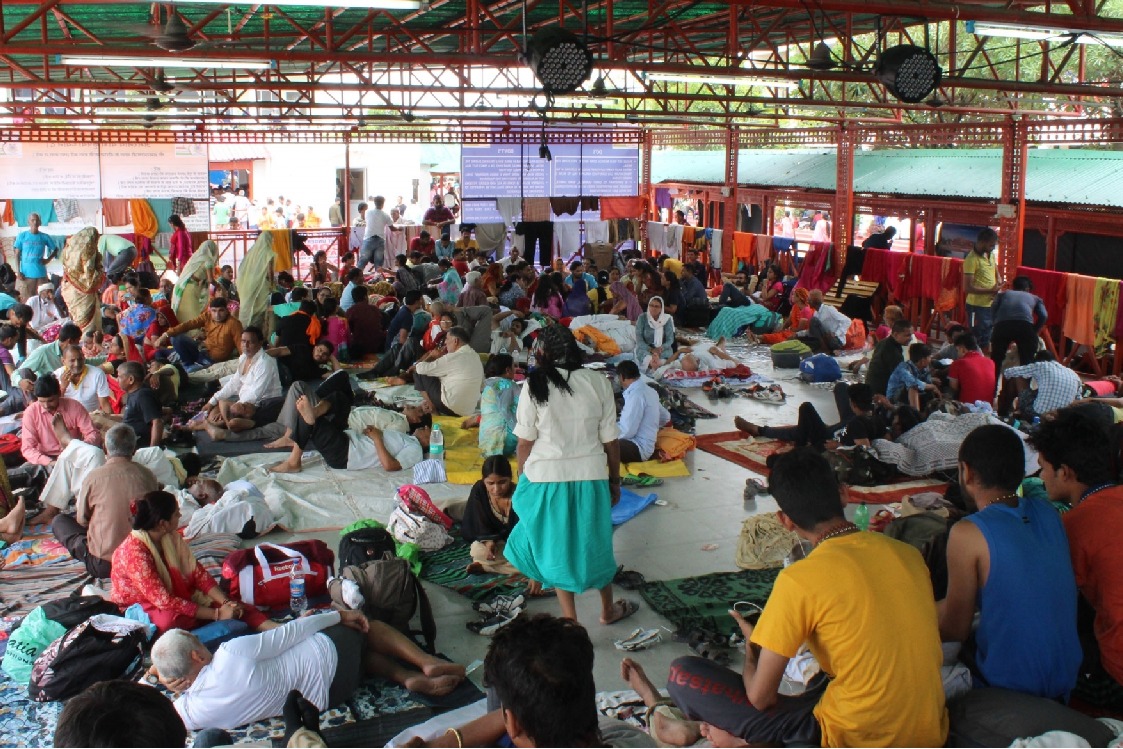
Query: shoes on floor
490, 624
502, 605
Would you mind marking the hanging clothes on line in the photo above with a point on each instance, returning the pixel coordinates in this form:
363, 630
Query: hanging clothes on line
688, 233
656, 236
567, 238
673, 241
509, 209
897, 266
565, 206
8, 218
717, 254
1106, 308
590, 203
282, 249
115, 211
67, 209
536, 209
762, 246
743, 247
183, 207
1080, 313
814, 273
162, 209
143, 219
491, 237
1052, 287
629, 207
951, 284
596, 232
663, 198
24, 208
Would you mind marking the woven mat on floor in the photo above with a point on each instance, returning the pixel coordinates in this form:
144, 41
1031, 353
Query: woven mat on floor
447, 568
751, 453
703, 602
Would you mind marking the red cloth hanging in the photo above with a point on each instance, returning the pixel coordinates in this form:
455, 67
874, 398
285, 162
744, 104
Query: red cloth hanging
897, 269
1052, 287
874, 267
814, 273
631, 207
925, 281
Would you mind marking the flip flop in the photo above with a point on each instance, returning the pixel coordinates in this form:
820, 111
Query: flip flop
639, 639
625, 608
644, 480
628, 579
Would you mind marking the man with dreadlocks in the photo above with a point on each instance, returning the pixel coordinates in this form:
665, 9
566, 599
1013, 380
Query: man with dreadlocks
569, 461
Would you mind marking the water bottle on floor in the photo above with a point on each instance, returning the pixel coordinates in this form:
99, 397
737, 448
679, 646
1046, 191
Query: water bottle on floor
862, 517
298, 601
437, 443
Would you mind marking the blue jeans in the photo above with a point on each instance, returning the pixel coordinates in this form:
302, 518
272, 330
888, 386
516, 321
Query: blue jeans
189, 353
981, 322
374, 251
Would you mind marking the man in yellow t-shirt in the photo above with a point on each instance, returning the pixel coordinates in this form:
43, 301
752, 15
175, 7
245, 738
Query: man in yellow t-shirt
862, 603
981, 281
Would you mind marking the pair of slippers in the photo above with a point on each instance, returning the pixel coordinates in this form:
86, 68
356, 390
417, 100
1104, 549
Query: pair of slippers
639, 639
643, 480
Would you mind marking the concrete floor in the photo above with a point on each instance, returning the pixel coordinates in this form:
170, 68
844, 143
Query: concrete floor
662, 543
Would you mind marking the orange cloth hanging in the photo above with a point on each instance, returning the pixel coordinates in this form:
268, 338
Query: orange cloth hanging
743, 245
8, 219
1080, 311
144, 220
763, 247
115, 211
688, 238
631, 207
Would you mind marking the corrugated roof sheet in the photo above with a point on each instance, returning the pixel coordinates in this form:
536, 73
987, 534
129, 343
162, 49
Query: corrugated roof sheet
1084, 177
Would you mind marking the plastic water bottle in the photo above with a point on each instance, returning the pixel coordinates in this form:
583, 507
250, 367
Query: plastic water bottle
437, 443
298, 601
862, 517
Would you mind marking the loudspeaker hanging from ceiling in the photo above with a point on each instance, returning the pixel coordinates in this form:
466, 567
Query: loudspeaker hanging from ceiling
910, 73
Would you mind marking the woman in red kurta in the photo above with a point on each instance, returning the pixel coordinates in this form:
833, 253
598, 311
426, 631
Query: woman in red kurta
154, 567
181, 248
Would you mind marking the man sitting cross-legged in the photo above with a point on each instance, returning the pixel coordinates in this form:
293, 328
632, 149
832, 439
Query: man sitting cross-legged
324, 656
322, 420
252, 395
849, 601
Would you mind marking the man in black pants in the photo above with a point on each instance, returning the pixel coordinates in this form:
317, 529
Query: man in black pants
858, 421
329, 402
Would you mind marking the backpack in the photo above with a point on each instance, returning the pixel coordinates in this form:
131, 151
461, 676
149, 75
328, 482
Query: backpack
820, 368
101, 648
365, 545
392, 594
72, 611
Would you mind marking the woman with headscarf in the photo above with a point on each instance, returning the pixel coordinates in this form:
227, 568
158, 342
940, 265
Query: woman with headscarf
154, 567
297, 335
625, 303
180, 250
799, 319
82, 277
189, 298
655, 336
492, 279
569, 469
255, 282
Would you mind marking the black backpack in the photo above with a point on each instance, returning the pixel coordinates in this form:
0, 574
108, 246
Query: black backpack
84, 656
72, 611
365, 545
392, 594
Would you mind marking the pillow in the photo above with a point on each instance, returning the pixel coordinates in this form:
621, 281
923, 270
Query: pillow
371, 416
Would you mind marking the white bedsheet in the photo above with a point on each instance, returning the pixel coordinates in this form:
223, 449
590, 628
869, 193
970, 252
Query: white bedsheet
621, 331
323, 498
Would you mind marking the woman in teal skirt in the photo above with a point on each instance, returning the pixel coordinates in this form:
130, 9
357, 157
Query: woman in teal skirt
569, 467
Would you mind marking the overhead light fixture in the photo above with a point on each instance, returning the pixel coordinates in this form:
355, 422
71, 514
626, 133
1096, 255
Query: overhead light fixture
195, 63
1043, 34
578, 101
821, 58
560, 60
909, 73
364, 4
722, 80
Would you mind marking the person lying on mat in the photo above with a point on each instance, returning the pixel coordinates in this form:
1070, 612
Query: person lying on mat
343, 448
698, 359
1020, 642
541, 669
154, 567
858, 422
835, 601
324, 656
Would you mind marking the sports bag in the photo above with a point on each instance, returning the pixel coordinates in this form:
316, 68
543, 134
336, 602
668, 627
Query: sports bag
820, 368
101, 648
409, 528
260, 576
72, 611
417, 502
365, 545
788, 354
392, 594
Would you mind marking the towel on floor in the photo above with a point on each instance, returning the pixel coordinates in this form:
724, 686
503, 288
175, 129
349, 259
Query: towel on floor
673, 469
630, 505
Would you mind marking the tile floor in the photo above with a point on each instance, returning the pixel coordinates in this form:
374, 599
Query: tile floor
663, 543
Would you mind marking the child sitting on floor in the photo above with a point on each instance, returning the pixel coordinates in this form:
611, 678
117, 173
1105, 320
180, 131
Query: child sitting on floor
910, 382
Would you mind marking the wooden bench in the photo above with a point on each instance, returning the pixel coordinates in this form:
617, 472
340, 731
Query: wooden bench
864, 289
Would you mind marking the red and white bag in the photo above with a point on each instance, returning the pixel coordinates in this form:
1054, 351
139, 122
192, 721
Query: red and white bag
260, 576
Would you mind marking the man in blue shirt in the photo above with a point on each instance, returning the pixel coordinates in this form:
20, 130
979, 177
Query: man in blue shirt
354, 278
35, 248
1010, 560
641, 416
910, 380
577, 270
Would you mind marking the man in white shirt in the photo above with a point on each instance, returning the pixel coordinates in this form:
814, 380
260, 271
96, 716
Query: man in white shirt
641, 416
242, 207
85, 384
44, 311
325, 657
255, 382
451, 382
512, 257
828, 327
374, 240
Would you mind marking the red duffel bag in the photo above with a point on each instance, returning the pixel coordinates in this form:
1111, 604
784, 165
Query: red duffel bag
260, 576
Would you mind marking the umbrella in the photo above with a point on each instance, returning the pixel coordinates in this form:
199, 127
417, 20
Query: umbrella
135, 320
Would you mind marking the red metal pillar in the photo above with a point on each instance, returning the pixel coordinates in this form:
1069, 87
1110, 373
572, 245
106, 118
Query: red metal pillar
843, 219
729, 204
1012, 204
645, 186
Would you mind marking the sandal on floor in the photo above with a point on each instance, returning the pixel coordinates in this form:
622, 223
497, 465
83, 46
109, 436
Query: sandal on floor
628, 579
711, 652
644, 480
624, 608
639, 639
